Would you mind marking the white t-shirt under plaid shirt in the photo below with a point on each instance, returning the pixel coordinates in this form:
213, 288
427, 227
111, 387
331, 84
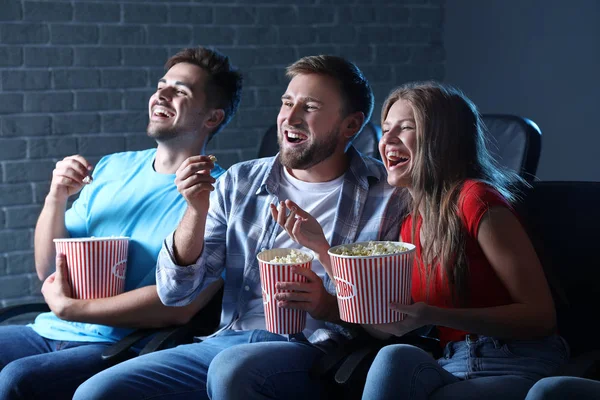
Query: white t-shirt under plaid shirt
239, 225
318, 199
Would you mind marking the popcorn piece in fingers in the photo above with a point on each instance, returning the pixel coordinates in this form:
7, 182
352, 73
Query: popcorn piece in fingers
88, 179
212, 158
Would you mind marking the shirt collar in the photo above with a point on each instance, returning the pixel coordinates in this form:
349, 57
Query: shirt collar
358, 173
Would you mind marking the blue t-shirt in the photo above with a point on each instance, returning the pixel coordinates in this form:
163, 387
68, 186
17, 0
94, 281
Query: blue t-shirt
126, 198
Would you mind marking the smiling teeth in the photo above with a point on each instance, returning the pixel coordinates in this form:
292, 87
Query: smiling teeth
294, 136
159, 111
396, 156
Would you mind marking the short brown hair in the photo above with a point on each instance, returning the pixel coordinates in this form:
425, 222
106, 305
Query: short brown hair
224, 84
355, 89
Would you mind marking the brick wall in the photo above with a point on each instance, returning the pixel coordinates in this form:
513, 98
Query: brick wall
75, 77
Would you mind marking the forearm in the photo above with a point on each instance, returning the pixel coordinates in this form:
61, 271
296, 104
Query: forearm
510, 321
50, 225
188, 240
140, 308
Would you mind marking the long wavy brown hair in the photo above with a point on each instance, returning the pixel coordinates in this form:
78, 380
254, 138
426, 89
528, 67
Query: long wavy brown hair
451, 147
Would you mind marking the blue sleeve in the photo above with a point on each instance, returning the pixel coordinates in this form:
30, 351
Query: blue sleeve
217, 171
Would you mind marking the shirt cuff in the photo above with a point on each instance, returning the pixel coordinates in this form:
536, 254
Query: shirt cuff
177, 285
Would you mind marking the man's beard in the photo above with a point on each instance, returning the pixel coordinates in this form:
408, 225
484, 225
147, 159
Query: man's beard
158, 133
309, 155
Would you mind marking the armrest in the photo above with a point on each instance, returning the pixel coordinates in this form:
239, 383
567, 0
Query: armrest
357, 363
203, 323
173, 336
13, 311
120, 351
348, 364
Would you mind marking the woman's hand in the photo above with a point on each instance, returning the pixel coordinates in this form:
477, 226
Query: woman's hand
416, 316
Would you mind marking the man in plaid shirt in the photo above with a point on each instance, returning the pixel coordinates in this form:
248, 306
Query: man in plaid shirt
229, 222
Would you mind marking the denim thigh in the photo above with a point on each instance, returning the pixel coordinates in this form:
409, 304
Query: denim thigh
484, 356
39, 368
271, 367
177, 373
19, 341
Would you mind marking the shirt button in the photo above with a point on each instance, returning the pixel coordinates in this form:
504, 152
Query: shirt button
246, 288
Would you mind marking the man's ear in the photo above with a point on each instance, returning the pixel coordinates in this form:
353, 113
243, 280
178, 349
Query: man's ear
215, 117
352, 123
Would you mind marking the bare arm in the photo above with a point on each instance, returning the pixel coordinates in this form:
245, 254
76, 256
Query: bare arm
67, 180
139, 308
513, 258
194, 182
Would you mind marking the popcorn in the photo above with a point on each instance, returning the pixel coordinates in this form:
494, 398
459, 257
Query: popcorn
87, 180
371, 249
212, 158
295, 257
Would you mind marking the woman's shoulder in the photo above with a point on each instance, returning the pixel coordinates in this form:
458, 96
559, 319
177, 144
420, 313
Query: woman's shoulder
476, 199
476, 191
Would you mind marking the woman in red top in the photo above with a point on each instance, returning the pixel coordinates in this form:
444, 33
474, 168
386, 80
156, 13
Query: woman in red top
476, 275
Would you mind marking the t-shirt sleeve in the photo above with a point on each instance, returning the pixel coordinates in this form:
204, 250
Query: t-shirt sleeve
476, 199
217, 171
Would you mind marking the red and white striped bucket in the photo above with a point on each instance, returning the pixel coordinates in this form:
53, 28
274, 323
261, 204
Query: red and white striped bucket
280, 320
96, 266
366, 285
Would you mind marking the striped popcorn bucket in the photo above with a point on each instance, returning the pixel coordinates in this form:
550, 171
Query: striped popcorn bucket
280, 320
96, 266
366, 285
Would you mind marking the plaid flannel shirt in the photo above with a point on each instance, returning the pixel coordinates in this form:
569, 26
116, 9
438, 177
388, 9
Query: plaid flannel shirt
239, 225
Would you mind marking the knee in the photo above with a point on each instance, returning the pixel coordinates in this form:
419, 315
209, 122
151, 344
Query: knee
229, 370
400, 355
15, 380
100, 386
553, 388
88, 390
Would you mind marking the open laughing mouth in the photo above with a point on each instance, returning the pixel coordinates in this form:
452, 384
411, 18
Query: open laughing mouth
161, 113
294, 137
395, 159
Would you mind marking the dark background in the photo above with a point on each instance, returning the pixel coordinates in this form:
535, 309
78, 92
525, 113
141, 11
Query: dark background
75, 77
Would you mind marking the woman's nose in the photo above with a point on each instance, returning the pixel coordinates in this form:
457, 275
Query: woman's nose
389, 137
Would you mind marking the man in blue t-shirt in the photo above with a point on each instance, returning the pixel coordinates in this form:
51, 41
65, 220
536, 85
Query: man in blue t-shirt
133, 194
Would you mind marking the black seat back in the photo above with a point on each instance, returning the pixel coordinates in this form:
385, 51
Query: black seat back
515, 142
563, 220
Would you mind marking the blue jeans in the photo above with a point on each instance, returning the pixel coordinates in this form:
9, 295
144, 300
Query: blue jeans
33, 367
477, 368
564, 387
232, 365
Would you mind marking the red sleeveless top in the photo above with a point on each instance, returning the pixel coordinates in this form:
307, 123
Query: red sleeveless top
486, 289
